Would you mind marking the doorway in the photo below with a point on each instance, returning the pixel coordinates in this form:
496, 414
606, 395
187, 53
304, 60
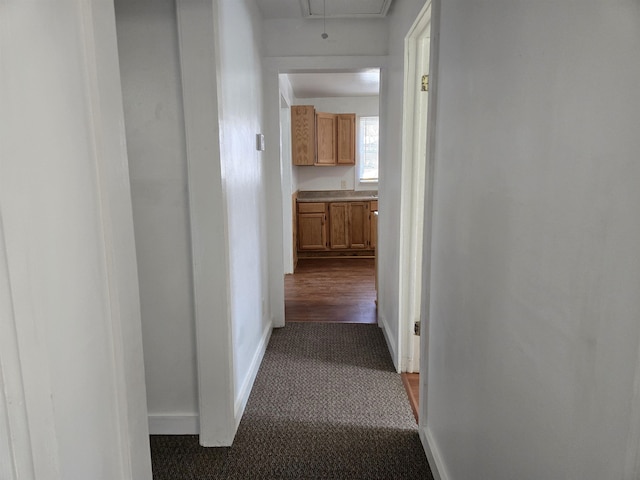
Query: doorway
346, 195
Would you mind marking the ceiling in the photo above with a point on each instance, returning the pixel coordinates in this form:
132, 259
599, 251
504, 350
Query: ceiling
315, 8
339, 84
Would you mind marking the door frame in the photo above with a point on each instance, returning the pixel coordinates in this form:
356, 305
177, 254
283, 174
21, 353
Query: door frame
272, 68
30, 440
433, 455
199, 68
413, 181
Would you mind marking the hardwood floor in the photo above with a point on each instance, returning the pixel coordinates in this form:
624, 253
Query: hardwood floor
412, 386
331, 290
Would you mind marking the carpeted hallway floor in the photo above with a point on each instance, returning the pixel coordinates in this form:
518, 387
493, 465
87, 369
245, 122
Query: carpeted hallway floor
327, 404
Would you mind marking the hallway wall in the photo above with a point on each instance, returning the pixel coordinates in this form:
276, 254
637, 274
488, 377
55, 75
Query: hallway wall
154, 120
154, 117
243, 175
403, 14
534, 341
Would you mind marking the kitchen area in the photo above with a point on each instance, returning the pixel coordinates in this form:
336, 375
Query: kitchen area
329, 127
333, 141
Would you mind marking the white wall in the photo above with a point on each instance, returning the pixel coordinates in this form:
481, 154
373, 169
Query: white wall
402, 16
289, 37
155, 128
322, 178
72, 380
534, 337
148, 48
244, 182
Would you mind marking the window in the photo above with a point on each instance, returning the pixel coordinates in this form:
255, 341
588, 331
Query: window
368, 149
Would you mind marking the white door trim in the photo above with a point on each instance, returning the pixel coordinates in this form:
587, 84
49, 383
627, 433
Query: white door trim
116, 214
414, 149
632, 461
16, 452
199, 66
431, 448
31, 439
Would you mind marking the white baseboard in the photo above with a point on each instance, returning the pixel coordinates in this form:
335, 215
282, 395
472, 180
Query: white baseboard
174, 424
433, 455
384, 325
247, 385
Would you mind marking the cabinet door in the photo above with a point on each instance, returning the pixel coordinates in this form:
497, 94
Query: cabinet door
303, 134
312, 231
339, 225
373, 240
346, 139
373, 216
326, 135
359, 225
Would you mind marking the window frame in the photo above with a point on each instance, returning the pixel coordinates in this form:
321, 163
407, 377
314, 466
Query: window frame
359, 182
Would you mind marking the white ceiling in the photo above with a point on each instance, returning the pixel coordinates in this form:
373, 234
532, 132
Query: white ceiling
339, 84
315, 8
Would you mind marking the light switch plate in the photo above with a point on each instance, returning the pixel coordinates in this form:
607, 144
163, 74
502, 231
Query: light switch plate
260, 142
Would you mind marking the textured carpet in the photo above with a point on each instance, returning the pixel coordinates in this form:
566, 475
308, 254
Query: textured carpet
326, 404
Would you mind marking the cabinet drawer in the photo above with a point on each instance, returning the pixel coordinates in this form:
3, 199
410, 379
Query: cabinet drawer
374, 205
311, 207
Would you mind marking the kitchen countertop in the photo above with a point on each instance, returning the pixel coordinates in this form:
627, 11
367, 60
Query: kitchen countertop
337, 196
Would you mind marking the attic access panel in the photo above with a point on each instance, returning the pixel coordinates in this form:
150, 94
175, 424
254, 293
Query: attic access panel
345, 8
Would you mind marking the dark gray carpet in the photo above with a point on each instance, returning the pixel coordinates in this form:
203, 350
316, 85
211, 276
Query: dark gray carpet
327, 404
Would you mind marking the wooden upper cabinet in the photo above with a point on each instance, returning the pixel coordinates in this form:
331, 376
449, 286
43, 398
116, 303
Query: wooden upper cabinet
346, 133
303, 134
326, 138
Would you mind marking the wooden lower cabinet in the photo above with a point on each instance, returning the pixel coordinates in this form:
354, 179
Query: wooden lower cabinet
312, 226
336, 226
373, 235
374, 230
339, 226
359, 225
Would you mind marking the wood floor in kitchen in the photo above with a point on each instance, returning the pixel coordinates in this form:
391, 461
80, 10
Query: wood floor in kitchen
340, 290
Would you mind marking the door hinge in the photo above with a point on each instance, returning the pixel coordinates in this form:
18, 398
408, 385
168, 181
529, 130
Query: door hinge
416, 328
425, 83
